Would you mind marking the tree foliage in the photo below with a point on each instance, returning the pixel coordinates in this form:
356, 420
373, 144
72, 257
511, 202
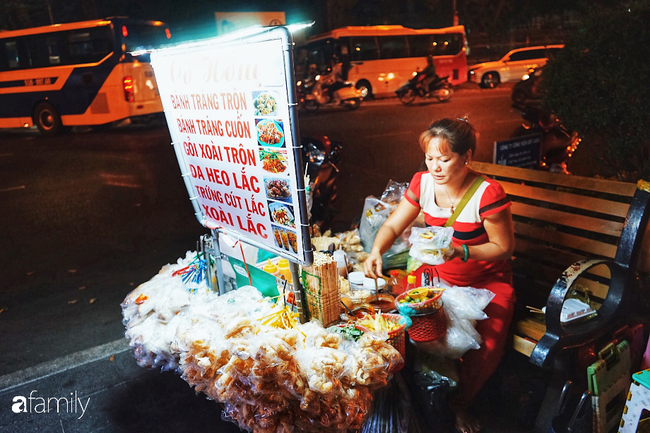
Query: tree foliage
598, 86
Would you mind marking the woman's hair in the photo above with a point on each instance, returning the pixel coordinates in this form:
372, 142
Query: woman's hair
459, 135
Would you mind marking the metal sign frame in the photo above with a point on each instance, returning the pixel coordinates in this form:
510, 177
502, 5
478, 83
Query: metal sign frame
241, 38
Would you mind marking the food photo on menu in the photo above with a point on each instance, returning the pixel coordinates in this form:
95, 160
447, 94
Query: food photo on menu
270, 132
273, 160
282, 214
278, 189
265, 103
285, 239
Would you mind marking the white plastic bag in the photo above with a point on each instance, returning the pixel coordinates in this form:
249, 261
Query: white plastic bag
463, 306
430, 245
375, 213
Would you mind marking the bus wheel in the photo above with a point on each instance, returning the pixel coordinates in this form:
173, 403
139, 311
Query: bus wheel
365, 88
47, 119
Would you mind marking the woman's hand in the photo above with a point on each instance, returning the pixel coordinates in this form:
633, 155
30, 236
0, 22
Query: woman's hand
456, 253
372, 266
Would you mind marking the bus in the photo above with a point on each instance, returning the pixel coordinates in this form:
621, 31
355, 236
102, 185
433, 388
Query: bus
380, 59
84, 73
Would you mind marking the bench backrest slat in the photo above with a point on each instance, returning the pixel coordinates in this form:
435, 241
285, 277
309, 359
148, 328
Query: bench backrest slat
567, 240
578, 182
536, 252
567, 199
583, 222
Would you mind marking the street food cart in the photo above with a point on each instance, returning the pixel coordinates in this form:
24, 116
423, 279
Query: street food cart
276, 359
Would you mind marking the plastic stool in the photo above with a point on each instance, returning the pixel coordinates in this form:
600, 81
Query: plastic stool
638, 399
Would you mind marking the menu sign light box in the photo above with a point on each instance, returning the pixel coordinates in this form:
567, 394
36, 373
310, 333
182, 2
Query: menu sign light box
230, 109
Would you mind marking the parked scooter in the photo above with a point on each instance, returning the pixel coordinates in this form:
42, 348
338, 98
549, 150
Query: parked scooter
315, 92
322, 156
558, 143
439, 88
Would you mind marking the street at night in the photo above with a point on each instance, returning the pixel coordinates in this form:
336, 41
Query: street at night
501, 286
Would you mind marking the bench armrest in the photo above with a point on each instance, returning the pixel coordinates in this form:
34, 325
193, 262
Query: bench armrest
559, 336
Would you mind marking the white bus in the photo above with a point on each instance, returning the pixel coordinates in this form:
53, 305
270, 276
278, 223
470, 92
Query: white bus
83, 73
383, 58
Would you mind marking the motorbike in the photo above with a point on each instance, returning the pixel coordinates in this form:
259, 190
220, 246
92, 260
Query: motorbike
439, 88
313, 93
322, 156
558, 143
528, 87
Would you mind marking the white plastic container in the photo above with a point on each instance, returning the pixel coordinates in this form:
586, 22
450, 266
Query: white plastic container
356, 280
369, 284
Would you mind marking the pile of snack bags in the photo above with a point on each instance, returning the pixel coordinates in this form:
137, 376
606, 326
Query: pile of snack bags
248, 352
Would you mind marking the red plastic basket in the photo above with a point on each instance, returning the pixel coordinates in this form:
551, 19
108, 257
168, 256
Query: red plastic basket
396, 337
429, 322
428, 306
429, 326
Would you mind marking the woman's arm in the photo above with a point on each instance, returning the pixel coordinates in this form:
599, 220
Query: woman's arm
501, 239
396, 223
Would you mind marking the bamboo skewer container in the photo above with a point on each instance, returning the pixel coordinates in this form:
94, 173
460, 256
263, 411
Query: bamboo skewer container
322, 289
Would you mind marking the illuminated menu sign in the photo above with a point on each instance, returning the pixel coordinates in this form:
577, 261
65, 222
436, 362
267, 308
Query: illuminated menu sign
227, 105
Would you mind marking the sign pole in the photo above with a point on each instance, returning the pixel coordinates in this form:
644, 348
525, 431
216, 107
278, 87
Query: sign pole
301, 301
218, 264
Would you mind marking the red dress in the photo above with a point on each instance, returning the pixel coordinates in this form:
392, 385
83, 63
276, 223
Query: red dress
477, 365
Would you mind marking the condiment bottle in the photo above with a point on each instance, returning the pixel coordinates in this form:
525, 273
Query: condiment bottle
341, 262
271, 268
283, 268
396, 286
411, 282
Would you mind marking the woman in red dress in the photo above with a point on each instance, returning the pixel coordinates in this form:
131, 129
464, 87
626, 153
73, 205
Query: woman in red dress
483, 244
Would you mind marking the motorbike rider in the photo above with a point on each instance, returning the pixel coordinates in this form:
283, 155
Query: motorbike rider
429, 75
335, 79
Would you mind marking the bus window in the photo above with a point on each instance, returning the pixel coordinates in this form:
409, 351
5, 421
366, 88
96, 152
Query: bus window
13, 59
364, 48
421, 45
393, 47
447, 44
143, 37
53, 45
320, 54
89, 45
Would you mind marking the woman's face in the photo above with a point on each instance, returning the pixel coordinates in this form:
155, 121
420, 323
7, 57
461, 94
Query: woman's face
443, 164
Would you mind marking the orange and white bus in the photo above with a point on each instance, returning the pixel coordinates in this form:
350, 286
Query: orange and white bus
382, 58
84, 73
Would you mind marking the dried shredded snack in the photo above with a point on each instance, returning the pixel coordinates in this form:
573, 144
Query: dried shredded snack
272, 373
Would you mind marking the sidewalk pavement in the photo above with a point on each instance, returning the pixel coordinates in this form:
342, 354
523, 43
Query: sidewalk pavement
104, 390
108, 394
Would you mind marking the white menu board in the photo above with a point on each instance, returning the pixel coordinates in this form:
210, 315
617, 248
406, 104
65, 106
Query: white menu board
228, 104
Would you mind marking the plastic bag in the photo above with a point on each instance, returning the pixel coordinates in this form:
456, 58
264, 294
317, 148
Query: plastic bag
393, 410
463, 306
394, 192
375, 213
430, 244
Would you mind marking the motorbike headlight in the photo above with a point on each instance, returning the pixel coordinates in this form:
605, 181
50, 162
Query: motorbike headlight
317, 77
316, 156
525, 77
299, 83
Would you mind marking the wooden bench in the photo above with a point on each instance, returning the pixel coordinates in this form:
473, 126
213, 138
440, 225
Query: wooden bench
573, 234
